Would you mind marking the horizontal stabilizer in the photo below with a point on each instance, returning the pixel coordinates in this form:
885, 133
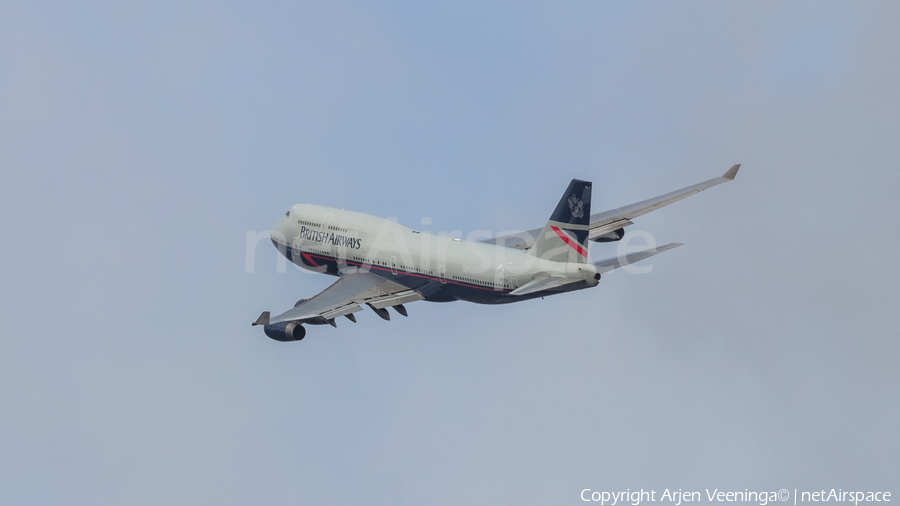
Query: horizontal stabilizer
604, 266
546, 283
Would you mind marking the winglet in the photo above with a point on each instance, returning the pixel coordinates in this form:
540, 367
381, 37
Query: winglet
732, 171
263, 319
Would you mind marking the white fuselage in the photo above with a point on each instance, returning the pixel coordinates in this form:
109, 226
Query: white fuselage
328, 240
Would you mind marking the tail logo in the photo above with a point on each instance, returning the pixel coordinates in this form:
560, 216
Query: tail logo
576, 206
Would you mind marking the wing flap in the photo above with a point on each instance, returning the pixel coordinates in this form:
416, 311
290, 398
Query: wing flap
394, 299
341, 311
597, 231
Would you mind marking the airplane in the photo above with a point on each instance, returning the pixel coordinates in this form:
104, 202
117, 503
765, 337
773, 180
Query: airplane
382, 264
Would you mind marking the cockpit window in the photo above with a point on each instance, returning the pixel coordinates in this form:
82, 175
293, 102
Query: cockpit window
288, 214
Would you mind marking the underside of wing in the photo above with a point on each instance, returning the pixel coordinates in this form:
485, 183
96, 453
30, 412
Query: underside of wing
609, 225
355, 288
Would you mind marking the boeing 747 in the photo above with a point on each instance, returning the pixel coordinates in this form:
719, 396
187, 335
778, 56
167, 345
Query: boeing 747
382, 264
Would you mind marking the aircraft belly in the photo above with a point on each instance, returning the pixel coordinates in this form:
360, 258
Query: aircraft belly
502, 298
478, 295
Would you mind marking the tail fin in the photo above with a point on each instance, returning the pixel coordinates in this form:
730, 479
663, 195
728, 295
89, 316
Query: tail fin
565, 237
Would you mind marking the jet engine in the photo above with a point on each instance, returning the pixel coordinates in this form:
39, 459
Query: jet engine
285, 331
615, 235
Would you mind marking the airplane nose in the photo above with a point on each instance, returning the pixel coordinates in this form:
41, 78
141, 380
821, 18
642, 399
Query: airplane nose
279, 234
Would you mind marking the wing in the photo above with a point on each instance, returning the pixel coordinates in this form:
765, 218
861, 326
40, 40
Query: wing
345, 296
609, 223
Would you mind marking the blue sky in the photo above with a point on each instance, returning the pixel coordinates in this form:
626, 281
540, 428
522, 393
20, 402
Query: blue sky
140, 143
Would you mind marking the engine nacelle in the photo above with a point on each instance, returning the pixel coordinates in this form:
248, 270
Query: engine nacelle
285, 332
615, 235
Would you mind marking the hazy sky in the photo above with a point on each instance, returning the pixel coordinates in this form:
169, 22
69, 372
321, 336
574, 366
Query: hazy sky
140, 143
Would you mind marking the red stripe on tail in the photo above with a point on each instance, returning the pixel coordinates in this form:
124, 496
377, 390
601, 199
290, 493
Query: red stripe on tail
571, 242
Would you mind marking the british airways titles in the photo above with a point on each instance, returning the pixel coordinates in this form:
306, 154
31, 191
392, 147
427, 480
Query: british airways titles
330, 237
